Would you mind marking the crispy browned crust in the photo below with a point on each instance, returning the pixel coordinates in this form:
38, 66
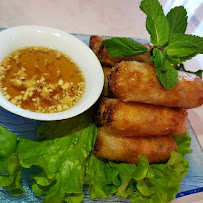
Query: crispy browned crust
106, 92
127, 149
100, 51
135, 119
104, 112
134, 81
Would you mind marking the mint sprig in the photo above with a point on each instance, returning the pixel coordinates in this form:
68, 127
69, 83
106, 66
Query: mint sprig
178, 48
167, 33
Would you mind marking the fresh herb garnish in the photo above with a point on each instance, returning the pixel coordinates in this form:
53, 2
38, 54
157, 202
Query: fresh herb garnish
167, 33
156, 22
177, 20
166, 73
120, 46
183, 47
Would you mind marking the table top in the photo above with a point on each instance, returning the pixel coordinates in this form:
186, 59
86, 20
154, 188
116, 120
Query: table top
112, 18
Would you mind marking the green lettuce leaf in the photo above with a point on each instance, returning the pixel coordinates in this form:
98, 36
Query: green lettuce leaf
62, 161
10, 168
183, 142
54, 129
105, 177
63, 165
8, 142
168, 176
155, 183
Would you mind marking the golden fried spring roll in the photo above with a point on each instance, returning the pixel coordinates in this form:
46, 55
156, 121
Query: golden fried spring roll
105, 59
134, 81
106, 89
127, 149
135, 119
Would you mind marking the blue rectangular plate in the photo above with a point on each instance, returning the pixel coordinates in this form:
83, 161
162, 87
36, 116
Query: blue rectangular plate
192, 183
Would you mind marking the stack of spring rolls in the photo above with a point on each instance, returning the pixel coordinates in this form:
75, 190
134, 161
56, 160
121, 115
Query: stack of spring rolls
143, 115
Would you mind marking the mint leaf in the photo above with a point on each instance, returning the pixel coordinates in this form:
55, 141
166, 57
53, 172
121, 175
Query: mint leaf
121, 47
157, 57
178, 60
178, 42
156, 22
180, 49
183, 47
166, 73
193, 39
177, 20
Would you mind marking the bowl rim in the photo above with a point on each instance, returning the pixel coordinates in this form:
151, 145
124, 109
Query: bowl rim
99, 78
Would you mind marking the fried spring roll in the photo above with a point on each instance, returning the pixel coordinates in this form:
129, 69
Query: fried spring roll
134, 81
127, 149
135, 119
105, 59
106, 89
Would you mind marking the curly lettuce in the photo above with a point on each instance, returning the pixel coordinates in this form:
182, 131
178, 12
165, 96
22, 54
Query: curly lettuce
62, 161
155, 183
64, 164
10, 168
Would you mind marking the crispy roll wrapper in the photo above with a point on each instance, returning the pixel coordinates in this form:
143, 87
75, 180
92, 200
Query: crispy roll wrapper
105, 59
134, 81
135, 119
106, 89
127, 149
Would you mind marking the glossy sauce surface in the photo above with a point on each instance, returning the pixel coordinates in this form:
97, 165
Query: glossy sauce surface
45, 79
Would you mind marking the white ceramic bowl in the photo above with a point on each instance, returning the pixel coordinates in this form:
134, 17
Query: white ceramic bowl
25, 36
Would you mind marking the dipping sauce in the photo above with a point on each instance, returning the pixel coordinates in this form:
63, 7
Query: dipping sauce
41, 79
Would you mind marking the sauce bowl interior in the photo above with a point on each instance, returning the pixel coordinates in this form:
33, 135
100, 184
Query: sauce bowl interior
26, 36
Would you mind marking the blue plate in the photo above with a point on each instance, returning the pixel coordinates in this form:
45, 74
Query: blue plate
192, 183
